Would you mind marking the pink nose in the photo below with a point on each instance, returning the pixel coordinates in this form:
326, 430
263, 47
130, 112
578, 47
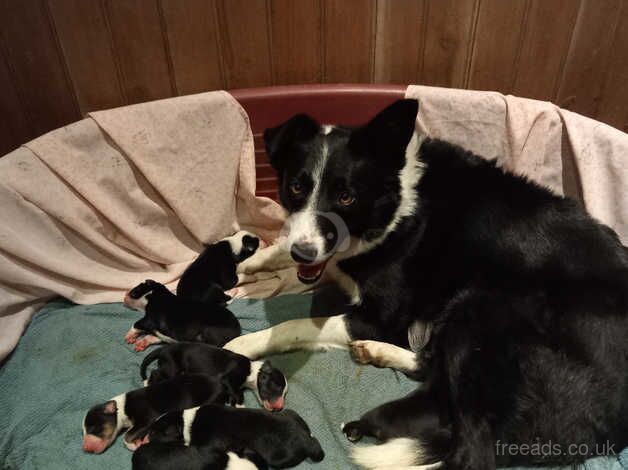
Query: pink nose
276, 405
93, 444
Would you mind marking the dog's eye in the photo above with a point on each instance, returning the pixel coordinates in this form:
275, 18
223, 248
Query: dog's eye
296, 188
345, 198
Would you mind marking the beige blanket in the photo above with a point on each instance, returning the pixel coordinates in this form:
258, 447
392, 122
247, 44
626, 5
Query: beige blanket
89, 210
131, 193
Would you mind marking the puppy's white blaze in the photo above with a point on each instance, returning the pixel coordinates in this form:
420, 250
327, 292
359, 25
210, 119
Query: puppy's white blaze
235, 241
395, 453
238, 463
326, 129
409, 177
188, 419
251, 379
122, 420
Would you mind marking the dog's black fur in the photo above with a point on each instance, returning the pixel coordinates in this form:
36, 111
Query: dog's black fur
231, 368
169, 456
527, 294
142, 406
180, 318
214, 270
281, 440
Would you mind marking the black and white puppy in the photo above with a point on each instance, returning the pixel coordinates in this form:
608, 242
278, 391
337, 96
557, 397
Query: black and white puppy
235, 371
171, 318
214, 271
137, 409
281, 439
168, 456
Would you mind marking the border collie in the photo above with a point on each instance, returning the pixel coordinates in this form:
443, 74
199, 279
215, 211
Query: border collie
519, 297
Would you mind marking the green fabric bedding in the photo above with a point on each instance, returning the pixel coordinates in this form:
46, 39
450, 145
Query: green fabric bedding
73, 357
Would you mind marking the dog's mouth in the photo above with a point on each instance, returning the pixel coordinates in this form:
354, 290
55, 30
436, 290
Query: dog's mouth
310, 273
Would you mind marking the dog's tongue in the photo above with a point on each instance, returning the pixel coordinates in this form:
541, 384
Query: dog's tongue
310, 272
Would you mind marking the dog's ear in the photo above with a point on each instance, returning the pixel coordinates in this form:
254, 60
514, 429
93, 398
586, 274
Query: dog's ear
279, 140
387, 134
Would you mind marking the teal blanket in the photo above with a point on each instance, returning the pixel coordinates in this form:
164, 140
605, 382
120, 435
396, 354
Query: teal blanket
73, 357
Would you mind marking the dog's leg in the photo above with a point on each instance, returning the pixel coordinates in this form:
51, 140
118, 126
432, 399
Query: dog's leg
145, 342
269, 259
305, 333
382, 354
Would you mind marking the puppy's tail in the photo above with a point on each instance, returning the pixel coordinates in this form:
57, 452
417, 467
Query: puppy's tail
152, 356
395, 453
315, 451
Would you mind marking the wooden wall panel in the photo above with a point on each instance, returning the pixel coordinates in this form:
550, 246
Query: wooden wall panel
30, 44
448, 42
547, 33
88, 49
589, 52
348, 40
14, 129
61, 58
497, 42
245, 42
141, 48
296, 33
613, 106
192, 31
397, 57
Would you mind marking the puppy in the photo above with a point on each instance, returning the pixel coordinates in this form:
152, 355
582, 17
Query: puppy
235, 371
154, 456
214, 271
137, 409
170, 318
281, 439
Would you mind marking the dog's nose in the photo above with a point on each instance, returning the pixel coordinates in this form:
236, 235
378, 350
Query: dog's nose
304, 253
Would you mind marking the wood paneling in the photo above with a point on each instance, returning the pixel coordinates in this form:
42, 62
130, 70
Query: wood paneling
30, 44
348, 40
613, 107
141, 47
245, 42
87, 46
192, 32
296, 41
547, 32
61, 58
496, 47
448, 42
589, 52
396, 58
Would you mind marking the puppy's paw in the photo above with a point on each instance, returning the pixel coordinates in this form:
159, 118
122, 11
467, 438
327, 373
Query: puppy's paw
141, 345
353, 431
131, 336
363, 351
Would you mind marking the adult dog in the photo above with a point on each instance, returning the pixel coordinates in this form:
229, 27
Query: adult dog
523, 296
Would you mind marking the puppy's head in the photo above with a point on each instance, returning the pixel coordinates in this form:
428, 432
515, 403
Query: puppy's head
272, 387
243, 245
138, 297
100, 427
339, 182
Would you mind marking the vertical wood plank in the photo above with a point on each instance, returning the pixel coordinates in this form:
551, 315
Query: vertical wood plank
191, 27
348, 29
581, 85
548, 30
87, 48
497, 40
14, 128
140, 48
449, 25
30, 45
245, 43
398, 40
612, 107
296, 41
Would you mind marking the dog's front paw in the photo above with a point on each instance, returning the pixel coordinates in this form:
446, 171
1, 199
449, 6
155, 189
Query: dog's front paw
131, 336
353, 431
247, 345
363, 351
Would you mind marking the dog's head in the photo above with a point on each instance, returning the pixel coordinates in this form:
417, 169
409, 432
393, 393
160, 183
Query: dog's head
338, 182
272, 387
100, 427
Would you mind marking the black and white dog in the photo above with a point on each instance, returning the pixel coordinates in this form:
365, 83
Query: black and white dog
234, 370
524, 297
172, 456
